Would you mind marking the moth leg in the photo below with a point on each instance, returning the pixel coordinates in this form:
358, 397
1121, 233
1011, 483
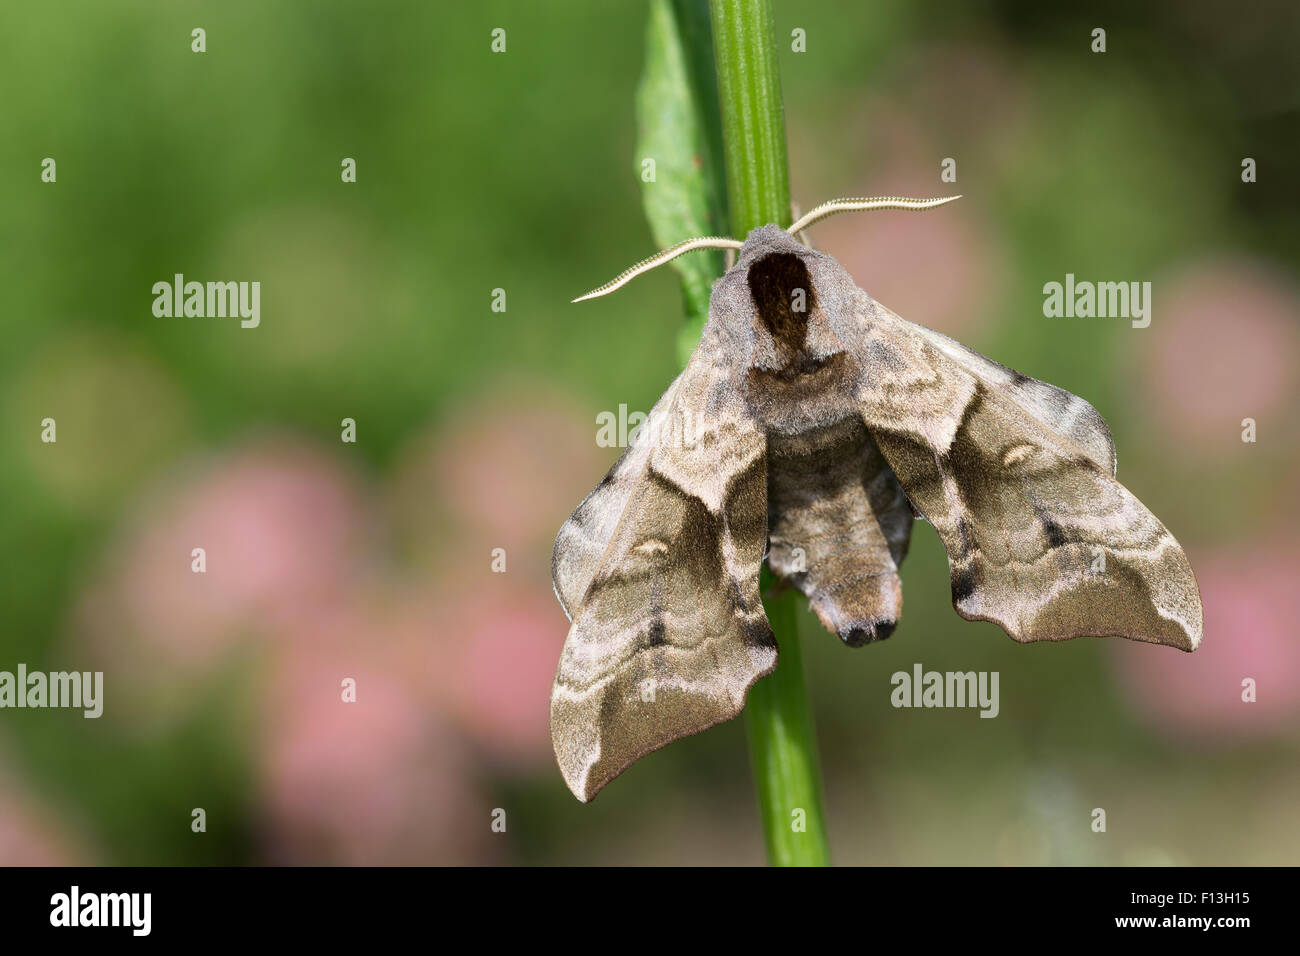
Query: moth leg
838, 527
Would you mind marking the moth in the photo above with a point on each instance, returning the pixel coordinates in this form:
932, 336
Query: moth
808, 430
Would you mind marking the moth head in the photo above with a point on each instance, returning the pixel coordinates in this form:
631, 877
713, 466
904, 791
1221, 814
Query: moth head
720, 242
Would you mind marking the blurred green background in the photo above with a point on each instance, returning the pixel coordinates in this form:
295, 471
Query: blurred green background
476, 429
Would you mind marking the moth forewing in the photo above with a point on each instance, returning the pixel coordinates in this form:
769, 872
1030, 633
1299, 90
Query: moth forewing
662, 562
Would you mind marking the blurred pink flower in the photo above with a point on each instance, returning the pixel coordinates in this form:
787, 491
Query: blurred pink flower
283, 526
1249, 600
1223, 346
380, 780
502, 471
29, 833
453, 662
491, 658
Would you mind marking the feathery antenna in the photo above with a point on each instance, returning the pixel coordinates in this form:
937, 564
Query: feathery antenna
658, 259
862, 205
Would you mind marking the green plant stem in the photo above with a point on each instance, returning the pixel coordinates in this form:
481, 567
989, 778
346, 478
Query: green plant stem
753, 119
778, 717
783, 749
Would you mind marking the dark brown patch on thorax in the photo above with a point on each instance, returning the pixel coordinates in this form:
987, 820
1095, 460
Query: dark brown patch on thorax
783, 300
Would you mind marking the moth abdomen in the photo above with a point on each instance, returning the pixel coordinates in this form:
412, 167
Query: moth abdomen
839, 525
861, 635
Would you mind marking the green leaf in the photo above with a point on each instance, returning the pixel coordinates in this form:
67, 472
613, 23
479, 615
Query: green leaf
677, 127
